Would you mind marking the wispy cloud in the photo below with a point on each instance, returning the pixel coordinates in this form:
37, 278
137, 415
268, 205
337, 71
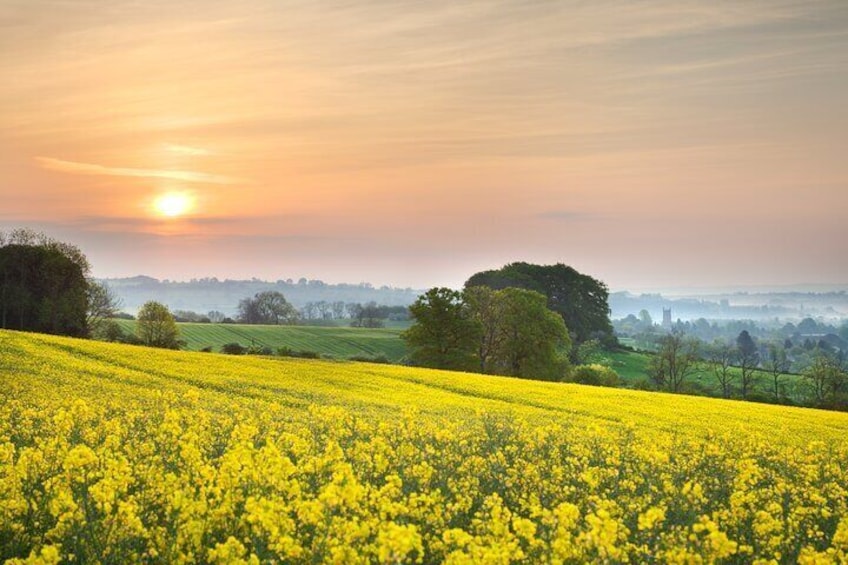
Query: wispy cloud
186, 150
94, 169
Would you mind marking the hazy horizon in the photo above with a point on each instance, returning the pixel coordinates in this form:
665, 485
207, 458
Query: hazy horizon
652, 145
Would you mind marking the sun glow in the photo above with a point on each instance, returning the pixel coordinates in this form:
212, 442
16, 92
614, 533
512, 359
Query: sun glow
174, 204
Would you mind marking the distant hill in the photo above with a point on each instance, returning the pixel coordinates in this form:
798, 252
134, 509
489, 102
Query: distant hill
203, 295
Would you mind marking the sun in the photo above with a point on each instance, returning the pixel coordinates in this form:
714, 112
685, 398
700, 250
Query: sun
174, 204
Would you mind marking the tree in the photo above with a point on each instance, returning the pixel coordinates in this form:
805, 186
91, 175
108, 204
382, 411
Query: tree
156, 326
267, 307
485, 309
676, 359
645, 318
826, 378
721, 357
579, 299
443, 334
369, 315
42, 289
748, 357
531, 337
102, 304
777, 365
504, 332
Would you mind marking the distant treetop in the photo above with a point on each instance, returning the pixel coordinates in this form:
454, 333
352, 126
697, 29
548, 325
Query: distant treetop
580, 299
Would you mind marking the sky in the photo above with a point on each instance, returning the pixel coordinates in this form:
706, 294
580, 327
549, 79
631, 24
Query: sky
653, 144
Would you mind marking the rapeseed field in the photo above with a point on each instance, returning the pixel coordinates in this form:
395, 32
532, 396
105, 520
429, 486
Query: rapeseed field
121, 454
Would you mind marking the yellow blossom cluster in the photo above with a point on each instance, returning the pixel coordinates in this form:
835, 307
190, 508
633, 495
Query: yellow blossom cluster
116, 454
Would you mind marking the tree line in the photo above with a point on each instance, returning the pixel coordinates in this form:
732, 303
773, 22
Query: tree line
271, 307
744, 369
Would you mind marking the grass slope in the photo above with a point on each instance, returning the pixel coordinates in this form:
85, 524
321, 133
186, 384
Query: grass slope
329, 341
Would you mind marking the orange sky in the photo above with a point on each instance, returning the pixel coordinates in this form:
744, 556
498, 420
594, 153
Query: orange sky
654, 144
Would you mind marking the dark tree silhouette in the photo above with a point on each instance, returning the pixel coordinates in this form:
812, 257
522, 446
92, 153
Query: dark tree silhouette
42, 290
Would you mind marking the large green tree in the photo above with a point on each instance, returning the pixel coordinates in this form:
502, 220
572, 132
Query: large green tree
443, 334
531, 337
45, 284
41, 290
504, 332
580, 299
156, 326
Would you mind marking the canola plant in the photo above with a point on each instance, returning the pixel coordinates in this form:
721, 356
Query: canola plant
121, 454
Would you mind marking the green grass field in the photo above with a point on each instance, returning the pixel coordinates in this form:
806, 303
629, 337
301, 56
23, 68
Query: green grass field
334, 342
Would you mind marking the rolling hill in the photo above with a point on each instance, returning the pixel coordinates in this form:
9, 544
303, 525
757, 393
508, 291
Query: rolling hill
117, 453
335, 342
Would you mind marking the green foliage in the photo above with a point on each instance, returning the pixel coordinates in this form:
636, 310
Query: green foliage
580, 299
531, 336
267, 307
381, 359
827, 381
156, 326
675, 361
289, 352
748, 358
42, 290
444, 335
596, 375
504, 332
233, 349
592, 352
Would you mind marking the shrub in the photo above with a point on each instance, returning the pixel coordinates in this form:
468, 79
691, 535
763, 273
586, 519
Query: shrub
595, 375
233, 349
289, 352
365, 359
258, 350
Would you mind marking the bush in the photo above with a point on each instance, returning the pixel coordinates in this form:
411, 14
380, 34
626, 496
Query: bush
365, 359
233, 349
595, 375
643, 384
696, 388
258, 350
289, 352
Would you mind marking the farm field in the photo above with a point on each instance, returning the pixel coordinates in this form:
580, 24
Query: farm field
330, 341
120, 454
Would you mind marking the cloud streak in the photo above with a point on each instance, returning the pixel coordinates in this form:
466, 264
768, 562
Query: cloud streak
74, 167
